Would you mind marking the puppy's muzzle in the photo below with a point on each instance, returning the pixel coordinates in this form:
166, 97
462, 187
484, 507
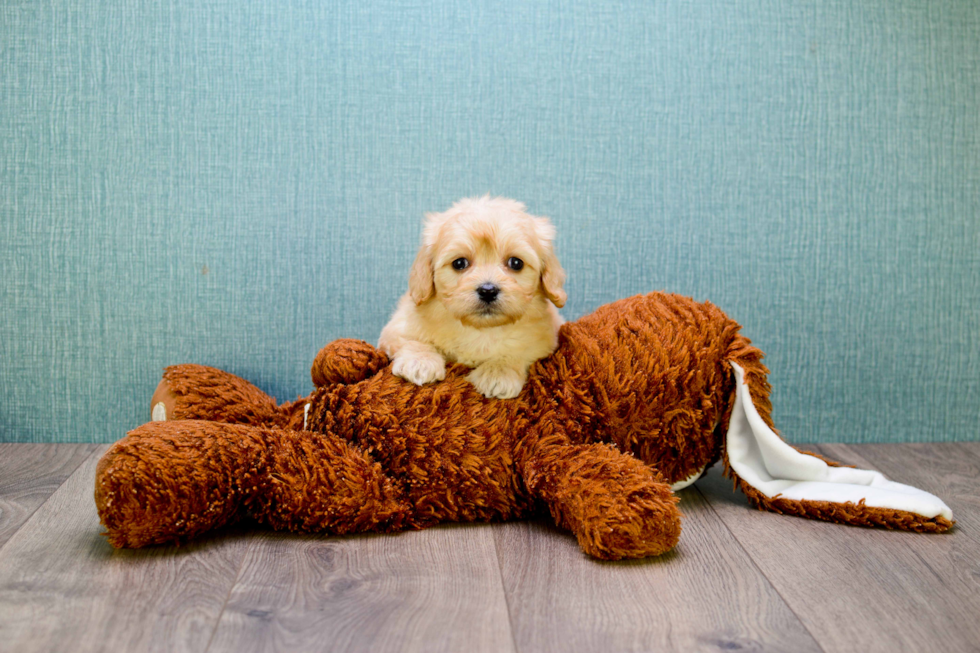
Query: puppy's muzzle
488, 293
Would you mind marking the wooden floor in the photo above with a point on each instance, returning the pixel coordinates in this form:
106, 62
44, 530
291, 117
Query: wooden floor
739, 580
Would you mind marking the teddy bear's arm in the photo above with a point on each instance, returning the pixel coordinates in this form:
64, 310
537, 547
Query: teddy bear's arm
346, 361
616, 506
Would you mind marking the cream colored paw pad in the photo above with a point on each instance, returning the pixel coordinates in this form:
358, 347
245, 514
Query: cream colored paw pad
159, 413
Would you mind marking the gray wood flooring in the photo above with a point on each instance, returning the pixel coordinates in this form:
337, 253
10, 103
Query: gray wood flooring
739, 580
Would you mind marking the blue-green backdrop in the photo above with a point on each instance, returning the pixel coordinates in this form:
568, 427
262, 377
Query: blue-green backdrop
237, 182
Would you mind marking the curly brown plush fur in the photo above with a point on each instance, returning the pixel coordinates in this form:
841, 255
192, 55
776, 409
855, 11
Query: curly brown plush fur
637, 397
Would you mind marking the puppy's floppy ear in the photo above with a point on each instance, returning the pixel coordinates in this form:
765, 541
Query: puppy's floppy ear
420, 282
552, 274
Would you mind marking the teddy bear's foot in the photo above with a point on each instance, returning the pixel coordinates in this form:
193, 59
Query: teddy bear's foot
647, 523
616, 506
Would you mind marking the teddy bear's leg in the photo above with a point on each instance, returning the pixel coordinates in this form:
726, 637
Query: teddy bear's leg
207, 393
616, 506
777, 477
320, 483
172, 481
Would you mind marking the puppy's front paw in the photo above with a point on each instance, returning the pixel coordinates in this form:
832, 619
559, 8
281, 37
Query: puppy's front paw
419, 367
498, 380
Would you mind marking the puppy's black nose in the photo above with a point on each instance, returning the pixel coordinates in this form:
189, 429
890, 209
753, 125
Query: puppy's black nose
488, 292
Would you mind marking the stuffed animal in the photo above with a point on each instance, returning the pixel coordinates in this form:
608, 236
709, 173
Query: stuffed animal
639, 399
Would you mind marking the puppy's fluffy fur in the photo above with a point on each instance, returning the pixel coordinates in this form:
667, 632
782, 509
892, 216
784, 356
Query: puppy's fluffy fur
483, 292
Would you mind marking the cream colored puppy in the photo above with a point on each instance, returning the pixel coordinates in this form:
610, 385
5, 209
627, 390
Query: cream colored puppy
483, 292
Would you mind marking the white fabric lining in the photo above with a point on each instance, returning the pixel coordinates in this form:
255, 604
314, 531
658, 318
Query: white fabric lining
680, 485
764, 461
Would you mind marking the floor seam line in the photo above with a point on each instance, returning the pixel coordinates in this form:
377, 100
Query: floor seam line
44, 503
231, 588
503, 587
755, 564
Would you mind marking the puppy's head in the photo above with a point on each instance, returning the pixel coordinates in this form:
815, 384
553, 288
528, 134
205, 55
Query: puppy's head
486, 260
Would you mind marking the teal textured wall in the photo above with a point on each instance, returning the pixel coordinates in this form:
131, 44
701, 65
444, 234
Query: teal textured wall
236, 183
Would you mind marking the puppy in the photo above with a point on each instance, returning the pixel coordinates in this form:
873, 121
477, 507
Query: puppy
484, 291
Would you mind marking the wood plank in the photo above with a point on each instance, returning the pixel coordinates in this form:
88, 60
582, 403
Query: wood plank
29, 474
437, 589
951, 471
704, 595
862, 589
432, 590
63, 588
943, 468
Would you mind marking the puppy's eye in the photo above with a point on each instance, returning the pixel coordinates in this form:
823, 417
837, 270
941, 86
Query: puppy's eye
461, 264
515, 264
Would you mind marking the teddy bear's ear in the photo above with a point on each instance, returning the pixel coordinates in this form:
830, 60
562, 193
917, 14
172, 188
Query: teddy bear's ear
778, 477
420, 282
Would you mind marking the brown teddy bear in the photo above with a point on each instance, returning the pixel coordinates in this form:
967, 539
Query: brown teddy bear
640, 397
